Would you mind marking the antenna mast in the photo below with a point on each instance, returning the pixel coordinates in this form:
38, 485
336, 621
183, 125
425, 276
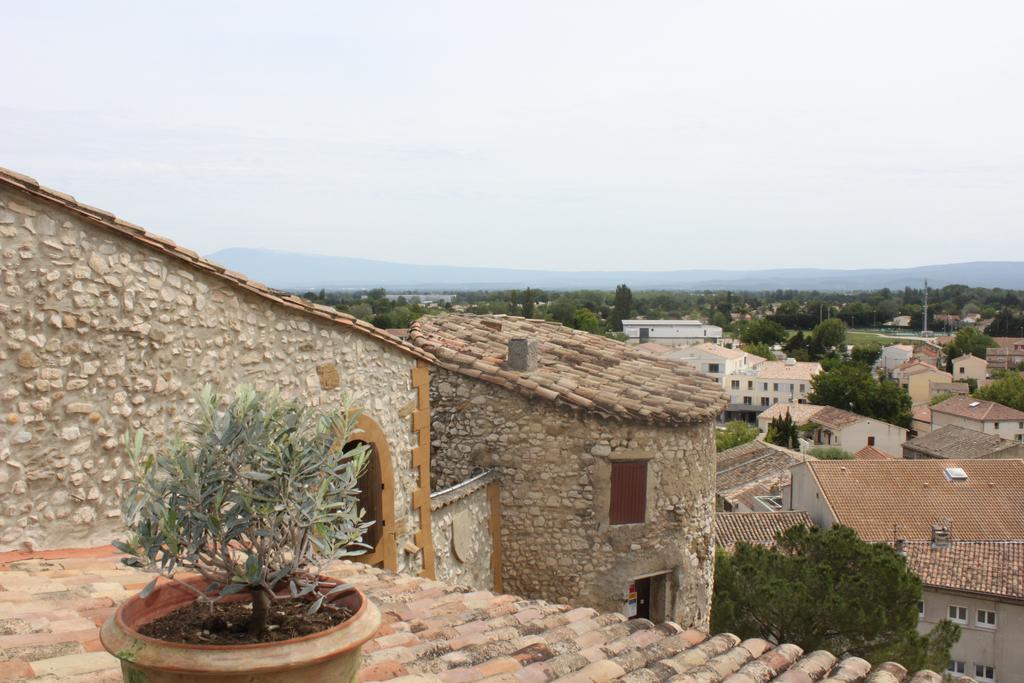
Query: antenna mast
924, 332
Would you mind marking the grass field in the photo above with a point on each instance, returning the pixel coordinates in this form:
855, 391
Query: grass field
859, 338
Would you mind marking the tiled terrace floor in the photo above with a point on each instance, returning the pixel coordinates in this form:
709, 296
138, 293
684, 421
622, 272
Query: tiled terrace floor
52, 604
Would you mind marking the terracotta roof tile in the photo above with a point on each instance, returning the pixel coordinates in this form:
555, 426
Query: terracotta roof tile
870, 453
755, 527
429, 632
976, 409
576, 369
954, 441
836, 418
111, 222
754, 469
993, 568
872, 497
802, 413
778, 369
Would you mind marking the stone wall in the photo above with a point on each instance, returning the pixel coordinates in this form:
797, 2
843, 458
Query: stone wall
461, 518
102, 334
554, 467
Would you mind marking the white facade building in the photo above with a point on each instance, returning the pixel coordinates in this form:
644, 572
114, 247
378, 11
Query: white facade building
686, 331
894, 356
753, 390
715, 360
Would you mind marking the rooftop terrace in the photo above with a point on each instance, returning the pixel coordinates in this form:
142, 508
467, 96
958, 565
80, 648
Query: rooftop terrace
53, 602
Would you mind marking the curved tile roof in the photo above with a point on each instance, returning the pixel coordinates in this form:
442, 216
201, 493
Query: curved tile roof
576, 369
430, 632
112, 223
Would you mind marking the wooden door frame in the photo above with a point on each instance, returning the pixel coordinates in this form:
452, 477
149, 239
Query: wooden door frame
386, 553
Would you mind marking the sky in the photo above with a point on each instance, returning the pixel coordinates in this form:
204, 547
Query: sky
590, 135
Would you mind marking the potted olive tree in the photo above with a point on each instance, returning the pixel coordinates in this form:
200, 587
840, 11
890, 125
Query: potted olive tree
248, 507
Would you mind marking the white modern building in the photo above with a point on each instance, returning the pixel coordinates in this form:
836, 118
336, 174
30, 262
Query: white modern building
894, 356
717, 361
683, 331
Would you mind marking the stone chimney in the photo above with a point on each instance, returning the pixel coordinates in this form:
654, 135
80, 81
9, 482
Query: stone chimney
942, 534
523, 354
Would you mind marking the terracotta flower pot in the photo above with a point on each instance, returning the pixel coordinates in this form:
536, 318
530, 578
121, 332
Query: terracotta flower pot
331, 655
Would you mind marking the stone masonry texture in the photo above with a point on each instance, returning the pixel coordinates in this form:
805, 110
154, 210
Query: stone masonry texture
554, 470
101, 336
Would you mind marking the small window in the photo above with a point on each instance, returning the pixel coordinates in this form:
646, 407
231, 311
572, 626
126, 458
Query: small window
871, 441
629, 493
765, 401
750, 385
735, 384
984, 673
920, 608
764, 386
961, 370
803, 388
713, 367
747, 400
775, 386
958, 614
986, 618
957, 667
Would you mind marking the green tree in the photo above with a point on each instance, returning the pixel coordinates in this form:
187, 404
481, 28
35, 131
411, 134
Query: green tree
851, 386
762, 350
763, 332
830, 453
829, 334
969, 340
735, 433
782, 431
621, 308
827, 589
586, 320
866, 354
1008, 390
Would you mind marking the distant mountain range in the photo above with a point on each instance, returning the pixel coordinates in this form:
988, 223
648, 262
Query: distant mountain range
285, 270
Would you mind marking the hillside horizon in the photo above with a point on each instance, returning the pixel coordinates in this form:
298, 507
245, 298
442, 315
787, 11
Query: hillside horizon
290, 270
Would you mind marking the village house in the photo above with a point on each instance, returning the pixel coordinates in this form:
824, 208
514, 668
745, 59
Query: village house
976, 585
1009, 355
671, 331
960, 524
942, 388
753, 390
109, 328
969, 366
605, 458
828, 426
981, 500
917, 378
751, 477
894, 356
956, 442
982, 416
715, 360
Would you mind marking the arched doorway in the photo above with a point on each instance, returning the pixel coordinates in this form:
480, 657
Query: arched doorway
377, 494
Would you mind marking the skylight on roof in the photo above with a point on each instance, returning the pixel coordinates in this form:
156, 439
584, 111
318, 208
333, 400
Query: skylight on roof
974, 404
956, 474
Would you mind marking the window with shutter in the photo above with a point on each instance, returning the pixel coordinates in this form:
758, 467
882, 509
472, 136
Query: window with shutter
629, 493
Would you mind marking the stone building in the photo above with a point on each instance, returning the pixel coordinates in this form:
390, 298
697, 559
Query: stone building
107, 328
605, 458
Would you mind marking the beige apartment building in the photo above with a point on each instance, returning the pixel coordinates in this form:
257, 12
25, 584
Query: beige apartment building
988, 417
968, 367
716, 360
917, 379
754, 390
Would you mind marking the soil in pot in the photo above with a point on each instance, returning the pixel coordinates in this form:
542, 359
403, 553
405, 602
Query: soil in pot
225, 623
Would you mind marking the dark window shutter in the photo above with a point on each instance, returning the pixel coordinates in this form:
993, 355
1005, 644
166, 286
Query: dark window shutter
629, 493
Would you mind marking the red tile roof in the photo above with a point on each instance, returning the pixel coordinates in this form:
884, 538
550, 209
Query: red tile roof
900, 498
976, 409
870, 453
755, 527
576, 369
991, 568
112, 223
52, 609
